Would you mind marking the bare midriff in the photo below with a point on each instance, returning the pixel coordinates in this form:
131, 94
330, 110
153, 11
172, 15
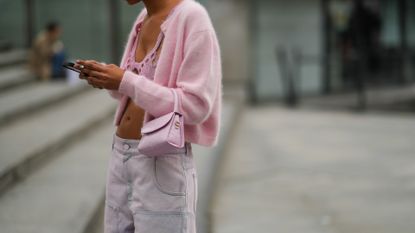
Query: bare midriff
133, 116
131, 122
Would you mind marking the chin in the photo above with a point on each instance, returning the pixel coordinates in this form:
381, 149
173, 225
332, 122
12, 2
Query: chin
133, 2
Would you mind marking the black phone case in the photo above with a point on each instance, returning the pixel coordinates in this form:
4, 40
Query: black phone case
70, 65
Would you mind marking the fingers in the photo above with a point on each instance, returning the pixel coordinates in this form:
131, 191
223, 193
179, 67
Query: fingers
90, 65
95, 82
92, 71
79, 66
83, 76
90, 68
87, 72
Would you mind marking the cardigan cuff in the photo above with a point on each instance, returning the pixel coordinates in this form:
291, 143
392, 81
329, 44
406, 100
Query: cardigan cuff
127, 83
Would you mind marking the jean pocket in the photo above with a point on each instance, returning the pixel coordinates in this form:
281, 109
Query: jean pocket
169, 175
160, 221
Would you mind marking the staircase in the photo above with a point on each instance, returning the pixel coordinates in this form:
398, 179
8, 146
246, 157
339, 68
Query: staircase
55, 141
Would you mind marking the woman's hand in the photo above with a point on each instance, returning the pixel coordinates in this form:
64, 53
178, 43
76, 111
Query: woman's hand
100, 75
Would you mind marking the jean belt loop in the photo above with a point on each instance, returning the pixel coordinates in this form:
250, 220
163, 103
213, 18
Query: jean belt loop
188, 156
186, 145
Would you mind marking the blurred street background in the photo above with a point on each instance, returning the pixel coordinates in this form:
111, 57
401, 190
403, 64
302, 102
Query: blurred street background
317, 132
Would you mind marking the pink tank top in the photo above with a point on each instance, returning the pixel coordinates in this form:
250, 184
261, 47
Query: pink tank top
147, 66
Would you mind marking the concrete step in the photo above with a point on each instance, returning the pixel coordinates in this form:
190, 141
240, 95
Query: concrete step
27, 99
28, 143
63, 195
13, 57
14, 76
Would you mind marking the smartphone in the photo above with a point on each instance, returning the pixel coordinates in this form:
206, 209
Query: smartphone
70, 65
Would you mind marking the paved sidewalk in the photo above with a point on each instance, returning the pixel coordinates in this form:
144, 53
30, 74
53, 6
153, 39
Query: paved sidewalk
396, 98
305, 171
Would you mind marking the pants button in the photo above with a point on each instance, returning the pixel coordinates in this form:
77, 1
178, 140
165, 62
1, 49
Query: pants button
126, 146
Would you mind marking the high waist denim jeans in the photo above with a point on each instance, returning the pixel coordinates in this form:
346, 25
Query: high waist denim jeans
150, 194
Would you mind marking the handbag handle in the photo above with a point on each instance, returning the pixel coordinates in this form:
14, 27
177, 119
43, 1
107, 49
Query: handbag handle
176, 101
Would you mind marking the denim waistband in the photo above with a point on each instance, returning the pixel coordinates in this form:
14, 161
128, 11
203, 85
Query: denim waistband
131, 145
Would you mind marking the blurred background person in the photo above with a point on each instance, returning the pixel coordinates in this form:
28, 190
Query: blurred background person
47, 54
363, 34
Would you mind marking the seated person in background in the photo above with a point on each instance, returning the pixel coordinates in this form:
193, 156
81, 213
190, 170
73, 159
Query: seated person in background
47, 54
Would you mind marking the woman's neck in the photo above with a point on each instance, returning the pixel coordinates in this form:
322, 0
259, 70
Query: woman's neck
156, 7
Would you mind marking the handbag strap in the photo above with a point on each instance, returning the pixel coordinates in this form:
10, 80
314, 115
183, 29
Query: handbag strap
176, 101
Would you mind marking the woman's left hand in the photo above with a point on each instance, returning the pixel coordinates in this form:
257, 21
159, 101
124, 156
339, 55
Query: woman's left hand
100, 75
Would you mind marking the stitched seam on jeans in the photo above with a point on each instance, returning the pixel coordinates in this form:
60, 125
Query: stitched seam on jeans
182, 225
157, 212
129, 191
168, 154
127, 157
122, 151
189, 160
194, 191
114, 207
184, 173
158, 186
116, 211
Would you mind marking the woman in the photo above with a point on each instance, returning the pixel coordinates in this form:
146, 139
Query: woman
172, 46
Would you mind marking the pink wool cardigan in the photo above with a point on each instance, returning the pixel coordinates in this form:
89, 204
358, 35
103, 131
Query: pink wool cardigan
190, 63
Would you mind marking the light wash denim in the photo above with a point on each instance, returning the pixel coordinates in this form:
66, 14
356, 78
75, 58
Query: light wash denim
150, 194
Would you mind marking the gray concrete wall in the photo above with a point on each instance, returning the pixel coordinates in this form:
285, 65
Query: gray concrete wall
295, 23
12, 22
85, 24
390, 30
231, 21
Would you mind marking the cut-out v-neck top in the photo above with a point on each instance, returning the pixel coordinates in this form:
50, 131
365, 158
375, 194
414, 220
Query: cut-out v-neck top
147, 66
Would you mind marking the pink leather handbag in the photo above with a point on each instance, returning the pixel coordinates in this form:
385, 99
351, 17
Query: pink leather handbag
164, 134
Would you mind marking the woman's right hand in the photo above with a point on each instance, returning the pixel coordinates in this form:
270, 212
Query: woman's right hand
81, 74
100, 75
84, 76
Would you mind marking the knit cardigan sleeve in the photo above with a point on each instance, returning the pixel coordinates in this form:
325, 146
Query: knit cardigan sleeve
115, 94
196, 85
